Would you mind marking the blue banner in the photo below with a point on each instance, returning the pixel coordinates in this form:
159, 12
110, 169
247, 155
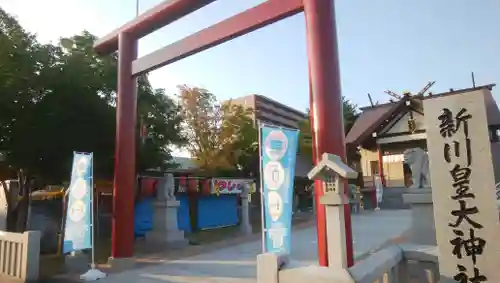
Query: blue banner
278, 153
78, 226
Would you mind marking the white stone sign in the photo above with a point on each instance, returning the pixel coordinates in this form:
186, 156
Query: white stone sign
462, 178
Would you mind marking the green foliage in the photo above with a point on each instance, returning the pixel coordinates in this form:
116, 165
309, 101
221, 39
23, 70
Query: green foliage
350, 113
161, 117
222, 138
60, 98
241, 144
201, 125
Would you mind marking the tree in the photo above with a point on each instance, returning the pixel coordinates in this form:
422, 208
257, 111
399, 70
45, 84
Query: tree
350, 113
57, 99
22, 61
222, 138
241, 138
160, 116
201, 123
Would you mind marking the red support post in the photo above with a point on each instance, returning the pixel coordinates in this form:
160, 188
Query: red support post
124, 178
381, 164
326, 106
318, 188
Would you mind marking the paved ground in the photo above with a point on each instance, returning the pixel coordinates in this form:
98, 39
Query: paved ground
237, 263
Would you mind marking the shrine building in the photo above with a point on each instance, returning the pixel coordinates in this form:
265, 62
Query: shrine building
383, 132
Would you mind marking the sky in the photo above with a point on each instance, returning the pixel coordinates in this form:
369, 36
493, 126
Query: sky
397, 45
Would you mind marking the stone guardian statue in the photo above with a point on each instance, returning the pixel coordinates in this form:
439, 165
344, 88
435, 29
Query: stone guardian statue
169, 187
418, 161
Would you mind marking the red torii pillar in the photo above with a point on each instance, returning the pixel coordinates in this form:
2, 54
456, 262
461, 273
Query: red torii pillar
326, 104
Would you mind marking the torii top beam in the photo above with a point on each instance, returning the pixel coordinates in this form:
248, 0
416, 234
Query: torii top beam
266, 13
153, 19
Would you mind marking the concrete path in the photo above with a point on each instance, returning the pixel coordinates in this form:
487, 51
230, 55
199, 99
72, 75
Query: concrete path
237, 263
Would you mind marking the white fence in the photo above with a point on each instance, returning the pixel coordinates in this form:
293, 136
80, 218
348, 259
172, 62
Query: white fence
19, 256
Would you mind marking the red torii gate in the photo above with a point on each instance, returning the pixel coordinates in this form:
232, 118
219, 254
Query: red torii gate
325, 94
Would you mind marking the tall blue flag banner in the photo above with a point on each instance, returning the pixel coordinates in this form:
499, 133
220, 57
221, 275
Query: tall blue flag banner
278, 151
78, 226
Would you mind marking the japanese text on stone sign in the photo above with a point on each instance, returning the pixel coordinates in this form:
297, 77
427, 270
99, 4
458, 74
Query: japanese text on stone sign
465, 244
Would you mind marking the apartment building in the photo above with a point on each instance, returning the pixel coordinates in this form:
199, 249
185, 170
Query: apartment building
271, 112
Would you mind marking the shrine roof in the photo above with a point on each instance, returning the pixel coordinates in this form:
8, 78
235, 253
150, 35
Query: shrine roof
369, 120
373, 116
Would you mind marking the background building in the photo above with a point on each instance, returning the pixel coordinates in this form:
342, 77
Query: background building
269, 111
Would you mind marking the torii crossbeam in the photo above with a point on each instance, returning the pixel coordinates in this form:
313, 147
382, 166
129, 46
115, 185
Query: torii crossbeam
325, 94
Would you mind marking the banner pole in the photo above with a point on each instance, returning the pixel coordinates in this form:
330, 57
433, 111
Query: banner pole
92, 215
262, 215
93, 274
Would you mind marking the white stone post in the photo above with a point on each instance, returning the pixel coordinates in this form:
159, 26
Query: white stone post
334, 201
422, 230
31, 254
334, 173
245, 226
